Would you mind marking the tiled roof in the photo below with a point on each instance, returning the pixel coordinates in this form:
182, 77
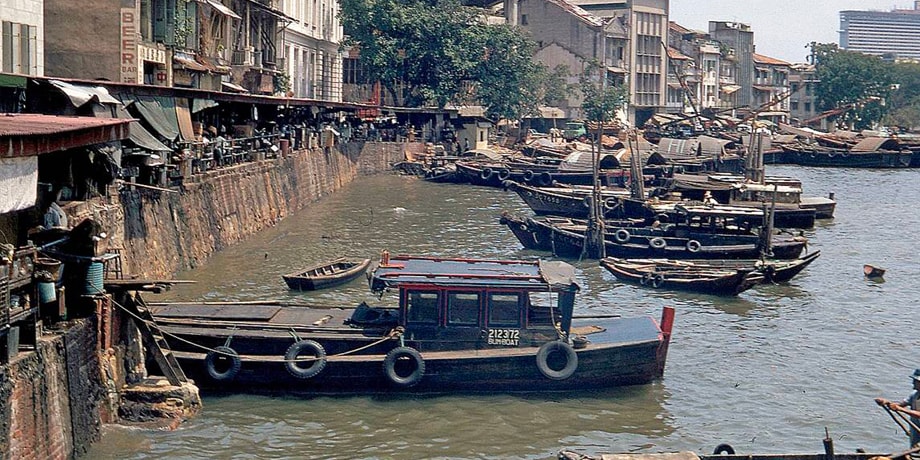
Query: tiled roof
761, 59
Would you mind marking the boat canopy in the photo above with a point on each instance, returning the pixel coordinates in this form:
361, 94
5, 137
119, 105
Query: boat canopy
513, 274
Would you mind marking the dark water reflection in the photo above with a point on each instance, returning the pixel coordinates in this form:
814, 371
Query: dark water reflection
767, 371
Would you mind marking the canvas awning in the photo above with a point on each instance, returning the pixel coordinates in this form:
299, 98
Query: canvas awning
217, 5
233, 88
202, 104
189, 63
79, 95
728, 89
160, 114
139, 136
184, 117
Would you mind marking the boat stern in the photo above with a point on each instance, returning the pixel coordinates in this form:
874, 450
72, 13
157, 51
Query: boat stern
665, 326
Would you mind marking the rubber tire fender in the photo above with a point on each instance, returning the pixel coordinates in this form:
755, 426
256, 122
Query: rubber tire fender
694, 246
657, 280
658, 243
504, 174
724, 449
485, 174
571, 362
220, 353
313, 367
389, 367
611, 203
545, 178
621, 236
529, 175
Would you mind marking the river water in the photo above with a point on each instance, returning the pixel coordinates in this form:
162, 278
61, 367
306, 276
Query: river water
766, 372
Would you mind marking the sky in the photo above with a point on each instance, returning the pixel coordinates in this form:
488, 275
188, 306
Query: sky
782, 28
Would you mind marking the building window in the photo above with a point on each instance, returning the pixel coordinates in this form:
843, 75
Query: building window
19, 49
794, 105
808, 106
523, 19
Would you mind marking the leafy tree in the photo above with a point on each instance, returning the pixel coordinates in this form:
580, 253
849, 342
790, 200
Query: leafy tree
904, 102
433, 52
553, 83
855, 81
602, 98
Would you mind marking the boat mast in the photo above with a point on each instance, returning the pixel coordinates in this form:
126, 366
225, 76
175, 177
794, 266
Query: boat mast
594, 235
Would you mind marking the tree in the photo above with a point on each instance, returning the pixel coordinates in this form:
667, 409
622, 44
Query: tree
857, 81
428, 52
602, 98
904, 102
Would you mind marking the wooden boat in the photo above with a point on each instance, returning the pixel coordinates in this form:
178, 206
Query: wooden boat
326, 275
773, 270
873, 272
572, 455
458, 325
703, 233
818, 156
571, 201
686, 277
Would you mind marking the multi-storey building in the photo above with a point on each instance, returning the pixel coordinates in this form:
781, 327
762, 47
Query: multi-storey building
312, 59
771, 88
894, 34
736, 71
21, 37
207, 44
802, 81
702, 78
627, 36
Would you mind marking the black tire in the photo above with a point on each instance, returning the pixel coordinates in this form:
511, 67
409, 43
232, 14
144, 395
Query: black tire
503, 174
529, 175
658, 243
222, 364
621, 236
657, 280
485, 174
646, 279
549, 348
724, 449
545, 178
313, 367
694, 246
399, 355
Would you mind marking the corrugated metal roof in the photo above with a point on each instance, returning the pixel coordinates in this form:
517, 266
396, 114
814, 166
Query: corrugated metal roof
30, 124
872, 144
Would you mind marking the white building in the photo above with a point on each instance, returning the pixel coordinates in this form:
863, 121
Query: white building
21, 37
311, 49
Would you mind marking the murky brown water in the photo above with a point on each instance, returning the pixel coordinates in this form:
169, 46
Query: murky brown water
766, 372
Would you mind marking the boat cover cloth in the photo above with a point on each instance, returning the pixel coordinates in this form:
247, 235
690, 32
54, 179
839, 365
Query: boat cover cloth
558, 274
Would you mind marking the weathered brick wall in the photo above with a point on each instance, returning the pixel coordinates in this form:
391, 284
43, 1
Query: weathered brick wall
50, 398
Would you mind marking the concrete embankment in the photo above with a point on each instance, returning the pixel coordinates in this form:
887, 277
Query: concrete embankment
55, 398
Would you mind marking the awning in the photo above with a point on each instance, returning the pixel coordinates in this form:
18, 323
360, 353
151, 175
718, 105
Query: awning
189, 63
217, 5
160, 114
202, 104
763, 88
233, 88
276, 13
185, 119
728, 89
139, 136
616, 69
79, 95
18, 183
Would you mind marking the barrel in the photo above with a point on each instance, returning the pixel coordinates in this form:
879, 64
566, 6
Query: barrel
50, 266
47, 292
94, 278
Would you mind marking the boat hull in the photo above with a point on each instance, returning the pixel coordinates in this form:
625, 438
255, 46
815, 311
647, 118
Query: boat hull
722, 281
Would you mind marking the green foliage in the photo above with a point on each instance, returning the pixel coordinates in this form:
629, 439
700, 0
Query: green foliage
904, 102
601, 98
428, 52
553, 83
860, 82
281, 82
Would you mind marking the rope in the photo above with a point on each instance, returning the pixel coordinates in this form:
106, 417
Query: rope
396, 332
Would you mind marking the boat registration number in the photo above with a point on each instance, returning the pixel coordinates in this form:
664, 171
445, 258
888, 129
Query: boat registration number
505, 337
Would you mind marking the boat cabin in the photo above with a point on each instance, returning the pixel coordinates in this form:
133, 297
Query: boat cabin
448, 304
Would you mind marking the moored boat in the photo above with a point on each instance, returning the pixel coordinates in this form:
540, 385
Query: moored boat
459, 325
773, 270
327, 274
705, 280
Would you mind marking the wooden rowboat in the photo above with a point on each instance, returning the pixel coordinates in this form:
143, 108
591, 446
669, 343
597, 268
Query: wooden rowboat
706, 280
326, 275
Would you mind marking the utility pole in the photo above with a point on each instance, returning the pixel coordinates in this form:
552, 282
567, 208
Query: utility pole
594, 234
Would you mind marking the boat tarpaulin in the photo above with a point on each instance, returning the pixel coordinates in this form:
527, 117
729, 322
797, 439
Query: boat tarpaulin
18, 183
558, 274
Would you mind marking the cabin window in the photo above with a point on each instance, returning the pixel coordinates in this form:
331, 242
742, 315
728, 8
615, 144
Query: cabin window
463, 308
504, 310
541, 310
422, 307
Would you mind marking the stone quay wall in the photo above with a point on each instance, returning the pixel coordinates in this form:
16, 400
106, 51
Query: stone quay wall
54, 400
